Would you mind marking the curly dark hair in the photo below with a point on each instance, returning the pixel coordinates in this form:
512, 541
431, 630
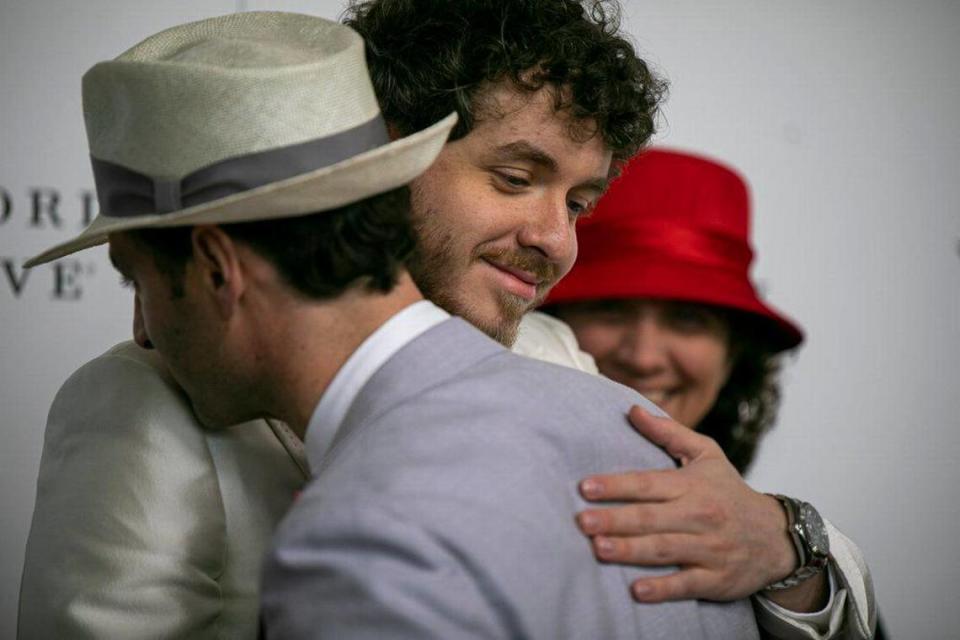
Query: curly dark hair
428, 58
319, 254
747, 405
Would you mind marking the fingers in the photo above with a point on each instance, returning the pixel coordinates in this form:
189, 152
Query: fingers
652, 551
640, 519
682, 585
682, 443
709, 568
629, 520
633, 486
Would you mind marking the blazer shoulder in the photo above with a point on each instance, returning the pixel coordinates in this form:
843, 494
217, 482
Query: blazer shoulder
126, 385
128, 471
547, 384
503, 421
122, 411
126, 357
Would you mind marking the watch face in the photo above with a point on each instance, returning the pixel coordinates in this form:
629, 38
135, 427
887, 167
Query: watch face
814, 530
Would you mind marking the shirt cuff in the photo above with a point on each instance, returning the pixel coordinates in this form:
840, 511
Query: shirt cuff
784, 624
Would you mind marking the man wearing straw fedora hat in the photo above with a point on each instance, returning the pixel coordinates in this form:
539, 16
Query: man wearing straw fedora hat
266, 255
217, 519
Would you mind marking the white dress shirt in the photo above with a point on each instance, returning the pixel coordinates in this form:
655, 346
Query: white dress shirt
372, 353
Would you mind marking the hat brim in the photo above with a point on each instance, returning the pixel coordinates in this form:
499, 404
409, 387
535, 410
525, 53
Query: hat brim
362, 176
674, 280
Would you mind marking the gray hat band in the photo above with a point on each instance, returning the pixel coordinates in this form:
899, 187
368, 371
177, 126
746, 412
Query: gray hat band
125, 193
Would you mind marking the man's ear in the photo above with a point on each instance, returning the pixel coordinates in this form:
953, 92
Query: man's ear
219, 267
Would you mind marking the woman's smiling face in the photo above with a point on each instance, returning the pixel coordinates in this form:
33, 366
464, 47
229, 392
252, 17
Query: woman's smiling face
676, 354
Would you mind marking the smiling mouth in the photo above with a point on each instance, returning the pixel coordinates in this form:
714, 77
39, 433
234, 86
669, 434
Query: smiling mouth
517, 281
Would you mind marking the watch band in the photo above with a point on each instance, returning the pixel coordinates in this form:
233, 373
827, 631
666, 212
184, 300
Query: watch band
794, 578
813, 555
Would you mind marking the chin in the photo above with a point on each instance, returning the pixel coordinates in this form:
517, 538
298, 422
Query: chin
510, 312
505, 333
213, 419
498, 326
489, 317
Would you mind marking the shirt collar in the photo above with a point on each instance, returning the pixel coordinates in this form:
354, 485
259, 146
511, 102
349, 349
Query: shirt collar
372, 353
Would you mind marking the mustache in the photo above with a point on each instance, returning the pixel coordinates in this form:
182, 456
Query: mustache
545, 270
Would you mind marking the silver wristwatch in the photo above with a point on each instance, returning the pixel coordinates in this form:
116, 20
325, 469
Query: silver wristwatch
810, 540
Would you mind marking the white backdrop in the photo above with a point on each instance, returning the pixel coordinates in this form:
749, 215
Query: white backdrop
843, 115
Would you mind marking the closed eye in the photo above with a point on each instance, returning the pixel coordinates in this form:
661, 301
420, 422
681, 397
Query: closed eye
511, 181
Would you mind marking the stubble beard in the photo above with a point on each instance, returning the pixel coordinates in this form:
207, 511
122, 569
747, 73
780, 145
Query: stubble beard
433, 267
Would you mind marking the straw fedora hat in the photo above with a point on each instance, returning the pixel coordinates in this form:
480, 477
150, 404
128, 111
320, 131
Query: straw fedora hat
248, 116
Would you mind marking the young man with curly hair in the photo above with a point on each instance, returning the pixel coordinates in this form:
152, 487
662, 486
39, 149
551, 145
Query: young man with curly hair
521, 76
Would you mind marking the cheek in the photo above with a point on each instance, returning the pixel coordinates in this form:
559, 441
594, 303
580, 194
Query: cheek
152, 320
145, 322
439, 221
438, 192
707, 363
702, 365
139, 330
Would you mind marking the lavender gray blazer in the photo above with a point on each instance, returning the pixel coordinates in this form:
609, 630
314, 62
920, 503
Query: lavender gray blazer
444, 509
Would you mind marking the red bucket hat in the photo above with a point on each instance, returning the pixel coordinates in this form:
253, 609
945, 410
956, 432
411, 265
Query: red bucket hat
672, 226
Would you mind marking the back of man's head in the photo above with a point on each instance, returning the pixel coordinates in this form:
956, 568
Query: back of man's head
430, 57
266, 124
318, 255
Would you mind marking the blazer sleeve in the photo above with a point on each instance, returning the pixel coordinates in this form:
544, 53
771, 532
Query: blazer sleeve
127, 532
852, 613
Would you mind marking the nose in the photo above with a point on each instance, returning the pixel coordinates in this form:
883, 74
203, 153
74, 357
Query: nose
139, 330
644, 347
550, 229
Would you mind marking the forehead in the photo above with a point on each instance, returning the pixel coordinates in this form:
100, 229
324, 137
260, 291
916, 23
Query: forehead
505, 114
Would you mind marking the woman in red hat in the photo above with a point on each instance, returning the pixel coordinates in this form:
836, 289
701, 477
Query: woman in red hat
660, 295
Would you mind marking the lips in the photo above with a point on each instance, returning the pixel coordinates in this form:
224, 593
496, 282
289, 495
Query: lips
519, 274
517, 281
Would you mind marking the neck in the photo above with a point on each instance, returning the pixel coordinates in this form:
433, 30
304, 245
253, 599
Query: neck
313, 341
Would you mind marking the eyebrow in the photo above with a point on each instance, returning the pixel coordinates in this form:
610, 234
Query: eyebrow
524, 150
